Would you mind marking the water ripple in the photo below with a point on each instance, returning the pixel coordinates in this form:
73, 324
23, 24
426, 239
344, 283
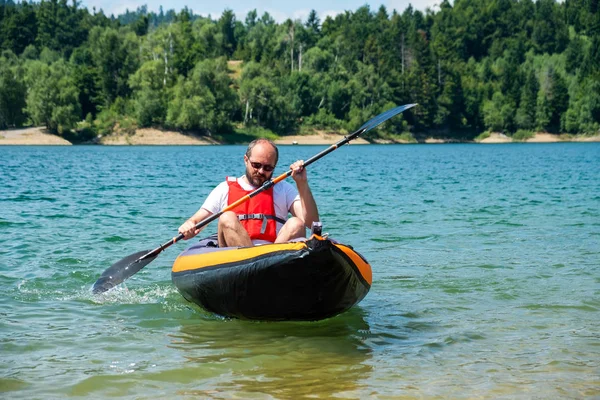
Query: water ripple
485, 276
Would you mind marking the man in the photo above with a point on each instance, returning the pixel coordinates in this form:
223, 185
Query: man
263, 218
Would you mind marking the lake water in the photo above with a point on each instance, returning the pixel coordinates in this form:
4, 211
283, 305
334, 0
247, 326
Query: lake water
486, 267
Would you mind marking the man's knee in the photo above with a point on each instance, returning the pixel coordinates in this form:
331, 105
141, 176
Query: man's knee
229, 220
296, 225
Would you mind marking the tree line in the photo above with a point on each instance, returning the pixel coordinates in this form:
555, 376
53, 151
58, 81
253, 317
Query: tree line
472, 65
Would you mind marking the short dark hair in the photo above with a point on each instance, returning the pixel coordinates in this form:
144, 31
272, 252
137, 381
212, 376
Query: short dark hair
262, 140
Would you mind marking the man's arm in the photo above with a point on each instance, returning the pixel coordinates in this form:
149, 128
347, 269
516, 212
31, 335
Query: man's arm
188, 227
212, 205
305, 209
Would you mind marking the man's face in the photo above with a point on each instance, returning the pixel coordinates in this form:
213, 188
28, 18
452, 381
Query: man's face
262, 158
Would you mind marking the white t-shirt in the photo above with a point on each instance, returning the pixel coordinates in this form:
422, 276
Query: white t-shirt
284, 195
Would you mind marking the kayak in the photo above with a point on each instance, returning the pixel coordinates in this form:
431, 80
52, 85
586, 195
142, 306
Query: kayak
305, 280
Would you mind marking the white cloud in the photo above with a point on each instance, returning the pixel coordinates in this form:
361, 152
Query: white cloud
280, 13
121, 8
329, 13
277, 15
302, 14
401, 5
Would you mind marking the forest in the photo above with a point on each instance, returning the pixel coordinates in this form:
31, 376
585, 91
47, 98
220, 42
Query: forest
473, 66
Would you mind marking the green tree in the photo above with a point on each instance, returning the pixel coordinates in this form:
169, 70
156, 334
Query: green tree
450, 103
85, 76
184, 48
313, 29
550, 34
498, 113
58, 26
583, 114
591, 59
552, 102
574, 55
304, 93
140, 26
205, 101
18, 26
525, 118
150, 93
226, 27
12, 97
52, 97
191, 107
258, 39
263, 103
115, 56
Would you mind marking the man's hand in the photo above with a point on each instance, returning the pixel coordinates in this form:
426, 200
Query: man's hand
298, 172
188, 229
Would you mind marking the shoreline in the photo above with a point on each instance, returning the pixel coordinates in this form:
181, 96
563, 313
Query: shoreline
39, 136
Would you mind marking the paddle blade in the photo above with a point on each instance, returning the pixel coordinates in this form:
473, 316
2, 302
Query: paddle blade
122, 270
381, 118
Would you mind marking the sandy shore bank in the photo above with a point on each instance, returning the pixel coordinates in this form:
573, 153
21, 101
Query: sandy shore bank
31, 136
540, 138
156, 137
319, 138
148, 136
496, 138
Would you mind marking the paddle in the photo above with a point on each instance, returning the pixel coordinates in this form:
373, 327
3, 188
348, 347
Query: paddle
130, 265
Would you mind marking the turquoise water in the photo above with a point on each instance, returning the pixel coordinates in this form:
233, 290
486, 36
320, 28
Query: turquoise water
486, 266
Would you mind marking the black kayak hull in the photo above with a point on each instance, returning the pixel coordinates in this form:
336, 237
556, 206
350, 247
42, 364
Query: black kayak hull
310, 280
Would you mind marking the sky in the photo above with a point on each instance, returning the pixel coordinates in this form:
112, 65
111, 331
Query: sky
279, 10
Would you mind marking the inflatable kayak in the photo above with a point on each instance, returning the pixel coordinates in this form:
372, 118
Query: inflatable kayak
306, 280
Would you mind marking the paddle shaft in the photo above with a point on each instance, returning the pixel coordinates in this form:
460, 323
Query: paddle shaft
261, 189
130, 265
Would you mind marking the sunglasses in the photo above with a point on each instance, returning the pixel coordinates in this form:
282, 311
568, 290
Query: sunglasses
265, 167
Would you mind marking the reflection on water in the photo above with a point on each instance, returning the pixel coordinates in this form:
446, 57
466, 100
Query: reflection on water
283, 359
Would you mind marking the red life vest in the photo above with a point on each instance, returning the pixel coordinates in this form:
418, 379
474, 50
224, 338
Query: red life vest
257, 215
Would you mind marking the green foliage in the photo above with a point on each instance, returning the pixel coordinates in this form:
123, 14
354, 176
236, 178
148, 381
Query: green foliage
395, 131
52, 98
18, 26
30, 53
116, 119
185, 49
522, 135
262, 99
191, 107
205, 101
583, 115
245, 135
553, 100
49, 56
498, 113
318, 60
84, 132
87, 80
406, 137
324, 120
482, 136
525, 118
574, 54
550, 33
150, 109
12, 97
149, 84
226, 27
472, 65
115, 56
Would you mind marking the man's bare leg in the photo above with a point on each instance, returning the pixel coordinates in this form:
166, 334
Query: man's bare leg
292, 229
231, 231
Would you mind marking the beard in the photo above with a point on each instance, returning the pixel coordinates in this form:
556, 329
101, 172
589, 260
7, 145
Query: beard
256, 178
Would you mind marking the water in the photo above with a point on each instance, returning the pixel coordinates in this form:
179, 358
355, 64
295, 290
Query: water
485, 258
